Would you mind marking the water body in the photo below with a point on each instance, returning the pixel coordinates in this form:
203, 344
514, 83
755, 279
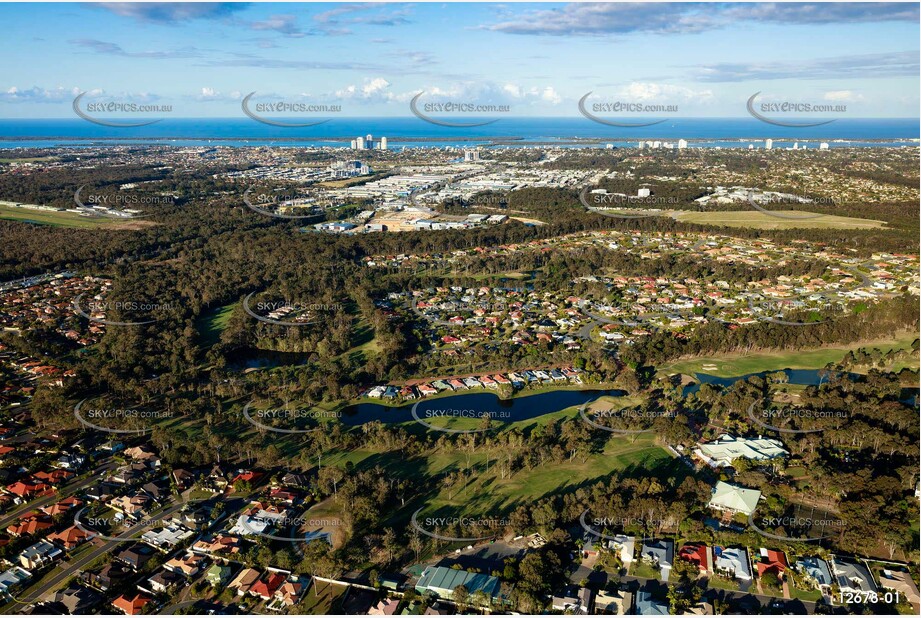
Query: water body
413, 132
475, 404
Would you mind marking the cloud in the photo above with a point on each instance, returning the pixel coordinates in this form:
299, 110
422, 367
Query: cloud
895, 64
172, 12
843, 96
249, 60
36, 94
645, 92
688, 18
337, 20
210, 94
372, 89
283, 24
113, 49
60, 94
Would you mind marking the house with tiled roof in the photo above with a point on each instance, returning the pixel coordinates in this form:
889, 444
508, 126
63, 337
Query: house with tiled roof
268, 585
70, 538
30, 525
696, 553
131, 605
771, 561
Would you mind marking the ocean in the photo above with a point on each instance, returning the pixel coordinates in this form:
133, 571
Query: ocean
414, 132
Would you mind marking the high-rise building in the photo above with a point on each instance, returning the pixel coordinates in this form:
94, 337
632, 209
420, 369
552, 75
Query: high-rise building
682, 143
360, 143
768, 144
354, 145
383, 145
640, 145
471, 155
823, 146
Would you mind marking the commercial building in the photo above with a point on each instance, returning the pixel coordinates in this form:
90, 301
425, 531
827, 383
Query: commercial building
720, 453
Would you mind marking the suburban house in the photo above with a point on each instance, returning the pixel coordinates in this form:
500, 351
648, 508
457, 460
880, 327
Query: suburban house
771, 561
901, 582
41, 554
732, 562
131, 605
244, 581
70, 538
660, 554
441, 581
815, 570
852, 576
696, 553
733, 499
724, 450
646, 605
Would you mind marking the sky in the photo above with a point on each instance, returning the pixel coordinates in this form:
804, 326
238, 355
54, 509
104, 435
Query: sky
371, 59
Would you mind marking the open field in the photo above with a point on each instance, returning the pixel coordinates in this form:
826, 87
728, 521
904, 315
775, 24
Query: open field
212, 323
730, 365
66, 219
762, 221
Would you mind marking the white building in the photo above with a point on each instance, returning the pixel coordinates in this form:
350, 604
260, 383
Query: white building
644, 192
721, 452
768, 144
823, 146
682, 144
383, 144
734, 499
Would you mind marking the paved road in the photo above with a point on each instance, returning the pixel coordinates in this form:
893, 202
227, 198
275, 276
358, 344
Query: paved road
67, 490
62, 573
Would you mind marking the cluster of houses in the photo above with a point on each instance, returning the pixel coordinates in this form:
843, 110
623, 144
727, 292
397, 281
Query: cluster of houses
515, 379
48, 303
645, 304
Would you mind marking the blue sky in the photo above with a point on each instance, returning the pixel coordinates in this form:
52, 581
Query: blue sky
539, 59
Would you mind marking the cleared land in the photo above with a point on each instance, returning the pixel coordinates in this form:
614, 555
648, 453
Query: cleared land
730, 365
762, 221
65, 219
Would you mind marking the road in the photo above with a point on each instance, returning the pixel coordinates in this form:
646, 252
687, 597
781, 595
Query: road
62, 573
67, 490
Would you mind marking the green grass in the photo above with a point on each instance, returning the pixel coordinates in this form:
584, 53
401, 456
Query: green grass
805, 595
642, 569
212, 323
730, 365
55, 218
322, 598
762, 221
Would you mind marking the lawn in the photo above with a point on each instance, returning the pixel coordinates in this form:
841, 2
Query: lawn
61, 218
212, 323
322, 598
762, 221
805, 595
730, 365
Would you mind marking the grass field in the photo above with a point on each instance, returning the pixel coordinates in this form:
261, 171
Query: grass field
212, 323
730, 365
63, 219
762, 221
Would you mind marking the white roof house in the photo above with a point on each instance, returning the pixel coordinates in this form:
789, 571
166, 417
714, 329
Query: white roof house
624, 545
722, 451
732, 561
734, 499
